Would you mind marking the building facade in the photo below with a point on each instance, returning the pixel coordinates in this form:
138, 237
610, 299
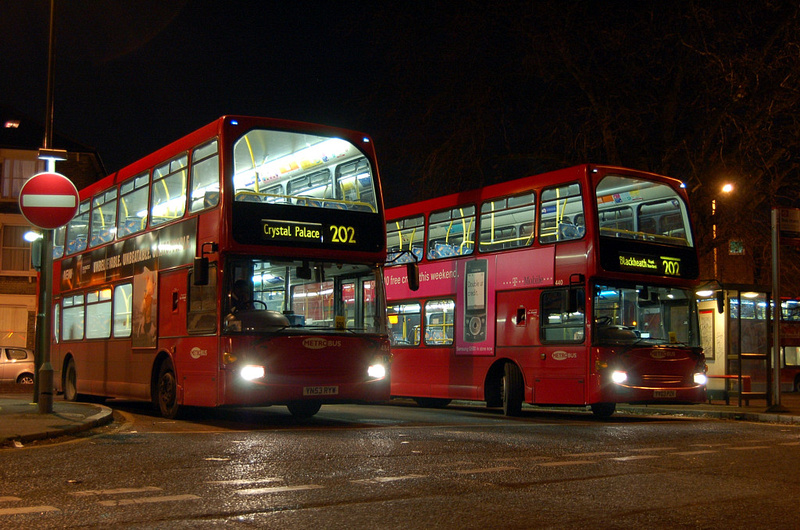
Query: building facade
20, 140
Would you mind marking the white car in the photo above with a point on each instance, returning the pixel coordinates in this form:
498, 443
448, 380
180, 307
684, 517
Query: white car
16, 365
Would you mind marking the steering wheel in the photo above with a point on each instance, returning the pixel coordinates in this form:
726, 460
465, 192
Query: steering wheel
603, 321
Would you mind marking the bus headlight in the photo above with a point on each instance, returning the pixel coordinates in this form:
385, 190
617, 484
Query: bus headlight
619, 377
700, 379
376, 371
252, 372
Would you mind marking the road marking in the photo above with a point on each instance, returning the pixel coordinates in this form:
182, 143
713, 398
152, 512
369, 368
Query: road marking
115, 491
9, 499
599, 453
149, 500
28, 509
698, 452
789, 443
649, 449
279, 489
380, 480
749, 448
243, 482
485, 470
566, 463
635, 457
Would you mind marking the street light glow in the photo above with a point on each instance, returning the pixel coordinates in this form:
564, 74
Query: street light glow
727, 188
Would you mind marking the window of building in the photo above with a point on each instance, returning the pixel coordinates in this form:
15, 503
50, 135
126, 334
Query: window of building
14, 172
16, 252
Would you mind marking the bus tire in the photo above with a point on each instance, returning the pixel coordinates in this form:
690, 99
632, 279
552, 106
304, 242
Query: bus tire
304, 409
166, 393
603, 410
70, 382
512, 390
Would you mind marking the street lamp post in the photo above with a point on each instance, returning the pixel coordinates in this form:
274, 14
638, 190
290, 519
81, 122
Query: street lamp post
726, 189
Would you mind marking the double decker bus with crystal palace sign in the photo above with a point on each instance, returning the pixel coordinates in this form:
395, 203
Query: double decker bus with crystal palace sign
239, 265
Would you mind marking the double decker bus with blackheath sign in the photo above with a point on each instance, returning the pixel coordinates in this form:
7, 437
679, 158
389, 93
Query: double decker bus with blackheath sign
239, 265
574, 287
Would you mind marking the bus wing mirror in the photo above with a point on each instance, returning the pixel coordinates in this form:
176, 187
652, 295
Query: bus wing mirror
412, 271
200, 272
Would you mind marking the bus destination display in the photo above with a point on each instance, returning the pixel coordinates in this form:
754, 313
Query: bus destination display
302, 231
659, 265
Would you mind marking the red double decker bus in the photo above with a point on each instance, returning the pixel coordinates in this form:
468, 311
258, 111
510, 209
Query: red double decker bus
573, 287
239, 265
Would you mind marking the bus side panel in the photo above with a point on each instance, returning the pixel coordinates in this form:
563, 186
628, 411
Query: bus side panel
560, 376
517, 318
196, 367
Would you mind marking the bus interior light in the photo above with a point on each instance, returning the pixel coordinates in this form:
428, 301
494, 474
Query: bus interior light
619, 377
252, 372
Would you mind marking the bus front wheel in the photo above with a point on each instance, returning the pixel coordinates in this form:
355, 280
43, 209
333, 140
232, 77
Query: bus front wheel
603, 410
512, 390
166, 394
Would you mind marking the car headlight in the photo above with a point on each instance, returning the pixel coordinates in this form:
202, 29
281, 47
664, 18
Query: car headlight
252, 372
619, 377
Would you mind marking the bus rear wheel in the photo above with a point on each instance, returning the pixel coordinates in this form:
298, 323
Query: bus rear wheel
70, 382
512, 390
304, 409
166, 393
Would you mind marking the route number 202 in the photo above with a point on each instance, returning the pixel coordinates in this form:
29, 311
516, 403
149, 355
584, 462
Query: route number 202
672, 267
343, 234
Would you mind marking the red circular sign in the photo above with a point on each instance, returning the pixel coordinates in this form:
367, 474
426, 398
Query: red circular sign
48, 200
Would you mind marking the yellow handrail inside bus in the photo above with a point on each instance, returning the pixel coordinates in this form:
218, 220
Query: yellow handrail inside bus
252, 161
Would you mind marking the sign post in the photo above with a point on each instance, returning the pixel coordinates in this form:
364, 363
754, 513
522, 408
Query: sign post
48, 201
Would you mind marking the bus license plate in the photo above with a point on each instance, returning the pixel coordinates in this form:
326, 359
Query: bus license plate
664, 393
320, 390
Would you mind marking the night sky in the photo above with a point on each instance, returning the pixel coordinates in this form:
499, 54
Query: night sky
132, 76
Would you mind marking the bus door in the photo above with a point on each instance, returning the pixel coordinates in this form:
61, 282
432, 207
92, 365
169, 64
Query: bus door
562, 354
194, 356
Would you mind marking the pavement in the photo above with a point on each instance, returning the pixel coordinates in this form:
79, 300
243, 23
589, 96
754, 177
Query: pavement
21, 422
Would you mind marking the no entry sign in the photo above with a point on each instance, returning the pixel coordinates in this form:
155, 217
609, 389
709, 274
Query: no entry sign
48, 200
